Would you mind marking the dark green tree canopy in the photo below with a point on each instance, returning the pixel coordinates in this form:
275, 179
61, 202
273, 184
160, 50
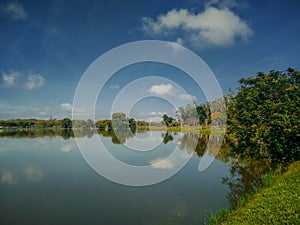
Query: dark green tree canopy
167, 120
66, 123
264, 115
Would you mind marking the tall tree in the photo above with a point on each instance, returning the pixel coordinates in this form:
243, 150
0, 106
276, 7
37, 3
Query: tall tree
188, 115
168, 120
119, 120
203, 112
264, 115
132, 125
66, 123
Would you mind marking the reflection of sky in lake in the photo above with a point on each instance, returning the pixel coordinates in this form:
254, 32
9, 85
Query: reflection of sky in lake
35, 144
146, 141
29, 174
46, 181
137, 157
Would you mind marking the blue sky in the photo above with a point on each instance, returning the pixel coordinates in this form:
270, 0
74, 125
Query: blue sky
45, 47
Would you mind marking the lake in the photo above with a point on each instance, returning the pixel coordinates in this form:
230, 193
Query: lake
45, 180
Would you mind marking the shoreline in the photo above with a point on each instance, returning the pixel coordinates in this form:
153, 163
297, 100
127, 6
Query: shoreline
279, 197
205, 130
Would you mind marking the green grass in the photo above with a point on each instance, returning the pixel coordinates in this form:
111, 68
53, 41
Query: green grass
206, 130
277, 203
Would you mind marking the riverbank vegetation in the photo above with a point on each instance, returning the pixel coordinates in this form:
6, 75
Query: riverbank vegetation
263, 121
263, 116
276, 203
35, 124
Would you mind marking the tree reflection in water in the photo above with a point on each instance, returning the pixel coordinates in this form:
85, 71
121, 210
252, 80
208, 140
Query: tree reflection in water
246, 175
35, 133
199, 143
167, 136
118, 135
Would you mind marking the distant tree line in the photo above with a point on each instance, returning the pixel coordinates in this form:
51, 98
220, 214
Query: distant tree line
65, 123
119, 121
35, 123
263, 116
34, 133
205, 114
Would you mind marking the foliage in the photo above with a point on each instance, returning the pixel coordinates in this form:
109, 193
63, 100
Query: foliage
35, 133
66, 123
119, 120
203, 113
83, 124
142, 123
167, 137
31, 123
188, 115
264, 115
276, 204
132, 125
103, 124
168, 120
213, 113
246, 176
217, 114
191, 115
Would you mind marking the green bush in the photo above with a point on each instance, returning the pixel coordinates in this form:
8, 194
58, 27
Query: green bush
264, 115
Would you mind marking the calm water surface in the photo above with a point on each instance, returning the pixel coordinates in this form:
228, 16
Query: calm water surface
45, 180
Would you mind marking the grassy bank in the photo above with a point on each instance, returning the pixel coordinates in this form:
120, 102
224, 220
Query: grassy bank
276, 203
205, 130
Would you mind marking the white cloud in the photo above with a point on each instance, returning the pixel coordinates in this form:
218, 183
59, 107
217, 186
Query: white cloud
43, 113
177, 45
154, 119
156, 113
34, 81
116, 86
187, 97
66, 106
162, 89
10, 111
152, 116
10, 78
83, 113
217, 26
14, 10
